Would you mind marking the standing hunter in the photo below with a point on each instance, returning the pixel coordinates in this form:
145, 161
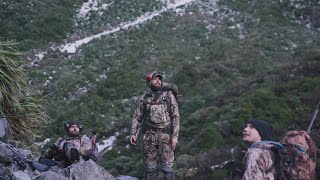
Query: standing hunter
158, 116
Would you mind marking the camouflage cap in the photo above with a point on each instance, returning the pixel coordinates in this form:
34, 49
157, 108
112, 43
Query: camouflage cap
152, 76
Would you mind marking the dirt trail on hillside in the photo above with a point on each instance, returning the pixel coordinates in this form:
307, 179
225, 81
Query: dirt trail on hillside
72, 47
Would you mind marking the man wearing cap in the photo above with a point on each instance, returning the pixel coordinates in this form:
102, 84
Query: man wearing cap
259, 157
157, 112
71, 149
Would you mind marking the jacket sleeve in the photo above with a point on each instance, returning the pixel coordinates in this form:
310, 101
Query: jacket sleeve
137, 116
259, 165
175, 116
52, 151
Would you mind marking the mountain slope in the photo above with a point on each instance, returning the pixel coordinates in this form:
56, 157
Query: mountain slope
232, 60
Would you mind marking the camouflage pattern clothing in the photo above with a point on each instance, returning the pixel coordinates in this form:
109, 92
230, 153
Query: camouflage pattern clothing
161, 122
259, 163
154, 142
64, 146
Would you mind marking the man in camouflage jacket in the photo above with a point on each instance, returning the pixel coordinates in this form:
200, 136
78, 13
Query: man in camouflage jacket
157, 112
71, 149
259, 159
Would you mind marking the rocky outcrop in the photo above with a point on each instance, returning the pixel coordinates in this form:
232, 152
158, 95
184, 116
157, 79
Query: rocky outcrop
14, 168
18, 164
86, 170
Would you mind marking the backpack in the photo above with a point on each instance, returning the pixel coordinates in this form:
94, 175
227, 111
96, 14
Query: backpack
94, 150
170, 87
296, 159
294, 156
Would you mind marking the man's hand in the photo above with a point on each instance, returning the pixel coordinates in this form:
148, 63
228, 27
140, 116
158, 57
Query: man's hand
133, 140
174, 142
54, 147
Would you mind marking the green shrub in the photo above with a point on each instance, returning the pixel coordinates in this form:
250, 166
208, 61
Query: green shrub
208, 138
35, 23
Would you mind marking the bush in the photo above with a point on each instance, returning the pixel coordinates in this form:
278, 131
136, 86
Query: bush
35, 23
208, 138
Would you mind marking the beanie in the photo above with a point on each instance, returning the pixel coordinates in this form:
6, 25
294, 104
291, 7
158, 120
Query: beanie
68, 124
264, 128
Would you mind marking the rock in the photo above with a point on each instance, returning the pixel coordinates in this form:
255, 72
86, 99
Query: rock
88, 170
50, 175
126, 178
21, 175
4, 130
5, 154
85, 170
5, 173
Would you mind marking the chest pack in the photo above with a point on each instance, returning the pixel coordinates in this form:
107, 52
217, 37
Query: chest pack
157, 108
165, 99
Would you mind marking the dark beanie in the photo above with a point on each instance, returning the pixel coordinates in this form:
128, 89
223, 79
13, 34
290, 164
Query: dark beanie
264, 128
68, 124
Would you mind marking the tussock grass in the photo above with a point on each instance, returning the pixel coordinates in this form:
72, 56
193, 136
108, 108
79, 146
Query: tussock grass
23, 110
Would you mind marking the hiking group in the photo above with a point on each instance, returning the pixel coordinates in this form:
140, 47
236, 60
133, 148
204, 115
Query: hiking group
157, 118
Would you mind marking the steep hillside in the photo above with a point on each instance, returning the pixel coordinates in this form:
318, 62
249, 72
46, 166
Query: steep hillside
232, 60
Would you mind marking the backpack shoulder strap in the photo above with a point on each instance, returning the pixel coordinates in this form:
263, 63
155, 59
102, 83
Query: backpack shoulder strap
59, 140
167, 94
146, 96
156, 97
154, 100
277, 144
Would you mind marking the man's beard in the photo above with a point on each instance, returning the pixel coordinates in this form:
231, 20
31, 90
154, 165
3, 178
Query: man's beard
155, 88
74, 134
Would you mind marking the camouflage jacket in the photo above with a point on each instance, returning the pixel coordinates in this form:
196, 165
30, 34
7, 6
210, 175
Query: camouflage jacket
259, 163
82, 143
158, 114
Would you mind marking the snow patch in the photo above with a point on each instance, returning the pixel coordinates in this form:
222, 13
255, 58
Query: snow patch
40, 55
91, 5
37, 57
107, 144
46, 83
43, 143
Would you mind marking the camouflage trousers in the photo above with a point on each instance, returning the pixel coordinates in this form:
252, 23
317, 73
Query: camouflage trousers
157, 145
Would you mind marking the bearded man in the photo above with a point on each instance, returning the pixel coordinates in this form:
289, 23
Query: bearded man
71, 149
158, 114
